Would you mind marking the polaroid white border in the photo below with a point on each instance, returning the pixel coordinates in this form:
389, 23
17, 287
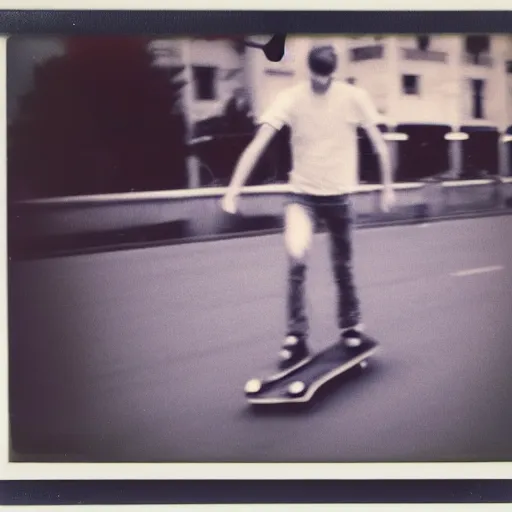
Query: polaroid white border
214, 471
261, 5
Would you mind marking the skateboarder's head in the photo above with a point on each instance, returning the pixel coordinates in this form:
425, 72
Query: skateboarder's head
322, 63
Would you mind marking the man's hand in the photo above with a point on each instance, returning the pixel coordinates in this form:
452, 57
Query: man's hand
229, 202
387, 198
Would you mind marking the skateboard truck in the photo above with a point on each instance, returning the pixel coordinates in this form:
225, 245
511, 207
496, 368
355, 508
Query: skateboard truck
302, 382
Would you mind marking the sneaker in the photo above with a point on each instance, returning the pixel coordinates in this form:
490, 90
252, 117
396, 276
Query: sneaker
352, 337
293, 351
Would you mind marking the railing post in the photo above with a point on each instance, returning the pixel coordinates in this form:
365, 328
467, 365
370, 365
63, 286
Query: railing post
377, 200
193, 175
504, 169
456, 139
499, 193
434, 197
393, 139
504, 154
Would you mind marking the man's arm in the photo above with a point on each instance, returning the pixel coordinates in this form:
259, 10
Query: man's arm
370, 119
382, 150
278, 115
250, 157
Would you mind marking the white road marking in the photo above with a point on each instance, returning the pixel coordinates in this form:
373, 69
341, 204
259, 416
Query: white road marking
480, 270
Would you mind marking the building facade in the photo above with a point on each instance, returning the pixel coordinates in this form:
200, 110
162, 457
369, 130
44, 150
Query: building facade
425, 86
420, 79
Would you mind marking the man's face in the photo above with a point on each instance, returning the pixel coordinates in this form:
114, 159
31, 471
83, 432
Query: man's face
320, 83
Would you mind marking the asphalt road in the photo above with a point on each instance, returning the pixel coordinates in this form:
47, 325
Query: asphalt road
142, 355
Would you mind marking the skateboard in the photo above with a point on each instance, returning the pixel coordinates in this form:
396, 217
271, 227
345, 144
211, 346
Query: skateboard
300, 383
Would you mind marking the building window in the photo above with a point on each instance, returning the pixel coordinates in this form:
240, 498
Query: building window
477, 44
423, 43
477, 50
410, 84
367, 53
351, 80
509, 66
204, 81
477, 89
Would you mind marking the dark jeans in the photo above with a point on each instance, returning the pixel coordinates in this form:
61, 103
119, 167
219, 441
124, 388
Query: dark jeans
336, 212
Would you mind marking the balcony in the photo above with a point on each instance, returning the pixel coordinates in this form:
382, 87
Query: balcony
424, 55
478, 59
363, 53
279, 72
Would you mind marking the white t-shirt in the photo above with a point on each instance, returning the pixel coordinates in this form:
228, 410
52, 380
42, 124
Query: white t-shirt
323, 134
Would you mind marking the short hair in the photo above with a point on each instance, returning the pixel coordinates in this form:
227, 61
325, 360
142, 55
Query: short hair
322, 60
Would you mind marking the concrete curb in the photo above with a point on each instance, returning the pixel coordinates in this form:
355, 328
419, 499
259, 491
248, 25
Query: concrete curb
77, 225
40, 253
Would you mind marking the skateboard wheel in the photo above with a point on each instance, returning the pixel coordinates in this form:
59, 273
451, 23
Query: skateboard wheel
296, 388
363, 365
253, 386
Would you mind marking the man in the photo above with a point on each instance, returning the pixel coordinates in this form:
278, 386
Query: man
323, 116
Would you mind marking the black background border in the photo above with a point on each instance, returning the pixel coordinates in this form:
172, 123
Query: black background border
139, 22
160, 492
69, 22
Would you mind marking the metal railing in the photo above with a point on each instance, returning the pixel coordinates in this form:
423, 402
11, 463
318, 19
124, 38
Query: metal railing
195, 193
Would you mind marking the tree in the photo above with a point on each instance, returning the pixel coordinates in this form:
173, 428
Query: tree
100, 119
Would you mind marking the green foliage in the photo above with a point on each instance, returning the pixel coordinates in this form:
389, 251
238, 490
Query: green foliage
100, 119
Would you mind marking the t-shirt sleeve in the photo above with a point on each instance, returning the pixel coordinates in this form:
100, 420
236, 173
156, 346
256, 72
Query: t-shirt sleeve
279, 113
368, 113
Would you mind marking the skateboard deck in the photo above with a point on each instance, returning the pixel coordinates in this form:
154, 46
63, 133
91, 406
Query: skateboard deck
300, 383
